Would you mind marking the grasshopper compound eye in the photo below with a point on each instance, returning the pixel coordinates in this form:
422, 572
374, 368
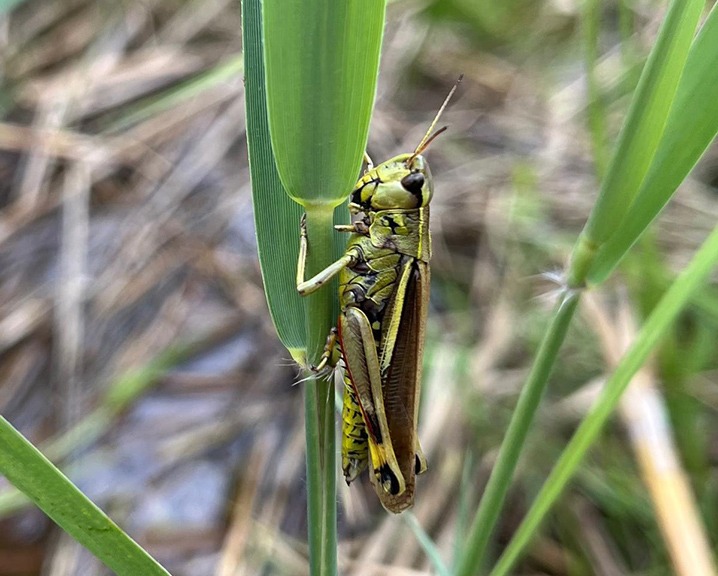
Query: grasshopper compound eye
413, 182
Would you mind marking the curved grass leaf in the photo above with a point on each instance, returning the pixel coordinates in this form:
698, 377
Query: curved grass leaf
54, 494
640, 135
276, 216
691, 126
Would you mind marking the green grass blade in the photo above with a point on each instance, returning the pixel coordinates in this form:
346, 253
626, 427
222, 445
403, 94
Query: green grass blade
596, 110
176, 95
122, 392
46, 486
322, 60
464, 511
321, 518
430, 549
498, 485
276, 217
7, 5
641, 133
691, 127
677, 296
321, 310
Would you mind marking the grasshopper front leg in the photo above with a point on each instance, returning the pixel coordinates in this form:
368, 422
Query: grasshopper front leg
305, 287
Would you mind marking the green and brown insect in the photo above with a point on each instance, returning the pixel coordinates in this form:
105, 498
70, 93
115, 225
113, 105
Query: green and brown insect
384, 297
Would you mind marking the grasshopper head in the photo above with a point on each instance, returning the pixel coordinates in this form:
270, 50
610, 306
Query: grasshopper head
402, 182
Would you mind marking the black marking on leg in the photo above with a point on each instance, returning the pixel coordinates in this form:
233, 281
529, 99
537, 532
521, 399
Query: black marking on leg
388, 480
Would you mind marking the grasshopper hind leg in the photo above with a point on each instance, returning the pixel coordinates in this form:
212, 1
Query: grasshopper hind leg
355, 441
364, 375
357, 448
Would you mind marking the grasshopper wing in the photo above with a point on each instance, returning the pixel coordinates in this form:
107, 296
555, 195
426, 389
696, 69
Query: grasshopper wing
401, 357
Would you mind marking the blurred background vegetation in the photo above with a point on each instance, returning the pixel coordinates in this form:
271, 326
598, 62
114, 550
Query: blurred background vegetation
135, 345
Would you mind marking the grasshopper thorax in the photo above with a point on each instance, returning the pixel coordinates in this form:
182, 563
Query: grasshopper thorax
403, 182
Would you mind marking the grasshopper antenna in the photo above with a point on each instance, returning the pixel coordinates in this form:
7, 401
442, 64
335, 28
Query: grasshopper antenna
429, 137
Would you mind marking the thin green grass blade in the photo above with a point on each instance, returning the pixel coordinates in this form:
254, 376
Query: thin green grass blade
474, 551
625, 27
7, 5
125, 390
23, 465
322, 60
276, 217
430, 549
641, 133
192, 88
692, 125
466, 490
652, 332
591, 22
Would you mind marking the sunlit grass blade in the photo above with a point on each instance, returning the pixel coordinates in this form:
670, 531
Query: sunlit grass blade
640, 135
631, 159
23, 465
692, 125
649, 336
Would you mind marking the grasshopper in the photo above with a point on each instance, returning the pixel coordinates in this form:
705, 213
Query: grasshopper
379, 337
